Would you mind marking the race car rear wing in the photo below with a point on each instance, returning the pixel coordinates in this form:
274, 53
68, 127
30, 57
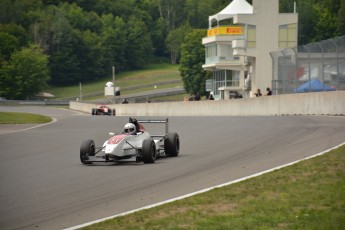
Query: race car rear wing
157, 121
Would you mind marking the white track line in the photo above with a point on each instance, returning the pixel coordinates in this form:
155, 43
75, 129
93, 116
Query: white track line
33, 127
200, 191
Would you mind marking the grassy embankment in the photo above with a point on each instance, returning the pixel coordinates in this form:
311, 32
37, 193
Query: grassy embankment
22, 118
159, 75
307, 195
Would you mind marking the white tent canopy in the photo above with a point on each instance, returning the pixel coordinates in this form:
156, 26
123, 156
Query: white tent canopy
235, 7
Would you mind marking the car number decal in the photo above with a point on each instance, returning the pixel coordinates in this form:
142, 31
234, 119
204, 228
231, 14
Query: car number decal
116, 139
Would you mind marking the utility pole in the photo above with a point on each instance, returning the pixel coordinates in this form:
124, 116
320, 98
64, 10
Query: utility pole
80, 92
114, 82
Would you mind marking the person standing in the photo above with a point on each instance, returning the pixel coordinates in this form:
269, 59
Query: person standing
197, 97
258, 93
269, 92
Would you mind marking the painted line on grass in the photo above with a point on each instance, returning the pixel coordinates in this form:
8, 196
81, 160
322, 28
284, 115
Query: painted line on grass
201, 191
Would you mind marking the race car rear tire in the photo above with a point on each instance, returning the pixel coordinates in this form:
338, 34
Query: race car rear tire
114, 112
149, 151
93, 111
172, 144
87, 148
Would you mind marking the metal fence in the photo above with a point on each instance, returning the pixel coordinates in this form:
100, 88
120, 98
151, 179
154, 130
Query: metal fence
310, 68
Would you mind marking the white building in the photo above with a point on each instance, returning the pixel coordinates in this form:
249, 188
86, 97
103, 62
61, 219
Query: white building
238, 45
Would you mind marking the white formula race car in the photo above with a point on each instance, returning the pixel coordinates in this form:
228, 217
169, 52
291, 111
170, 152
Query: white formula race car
134, 142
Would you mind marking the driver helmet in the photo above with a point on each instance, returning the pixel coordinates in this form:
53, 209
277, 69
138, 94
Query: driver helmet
129, 127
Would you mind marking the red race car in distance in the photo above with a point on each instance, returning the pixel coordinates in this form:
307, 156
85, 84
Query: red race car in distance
103, 110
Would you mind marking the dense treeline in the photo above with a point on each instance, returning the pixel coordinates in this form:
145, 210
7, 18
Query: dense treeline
80, 40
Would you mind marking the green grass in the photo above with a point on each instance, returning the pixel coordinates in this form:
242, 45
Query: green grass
307, 195
178, 97
22, 118
151, 74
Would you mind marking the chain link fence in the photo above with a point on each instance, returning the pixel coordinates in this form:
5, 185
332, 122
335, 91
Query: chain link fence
310, 68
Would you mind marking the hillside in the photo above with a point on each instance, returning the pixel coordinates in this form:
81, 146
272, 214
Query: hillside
150, 80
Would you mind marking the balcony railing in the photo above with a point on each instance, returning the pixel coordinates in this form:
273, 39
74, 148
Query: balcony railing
238, 44
219, 59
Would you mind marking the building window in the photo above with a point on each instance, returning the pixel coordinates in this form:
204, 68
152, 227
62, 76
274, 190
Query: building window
211, 51
251, 36
232, 78
226, 52
288, 36
225, 78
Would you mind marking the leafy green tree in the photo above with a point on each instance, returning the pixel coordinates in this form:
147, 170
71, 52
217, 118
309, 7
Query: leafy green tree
6, 11
18, 11
306, 22
55, 34
174, 40
52, 29
90, 55
81, 19
25, 75
120, 8
139, 49
8, 44
64, 66
75, 55
114, 42
17, 31
197, 11
192, 59
172, 11
325, 22
159, 33
341, 19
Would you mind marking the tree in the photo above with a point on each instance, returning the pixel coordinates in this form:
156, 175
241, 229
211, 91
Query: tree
139, 49
174, 40
25, 75
325, 22
114, 42
172, 11
120, 8
90, 55
341, 18
80, 19
18, 11
8, 44
197, 11
192, 59
17, 31
159, 33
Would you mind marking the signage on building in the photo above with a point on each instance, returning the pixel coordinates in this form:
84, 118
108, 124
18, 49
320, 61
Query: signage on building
225, 30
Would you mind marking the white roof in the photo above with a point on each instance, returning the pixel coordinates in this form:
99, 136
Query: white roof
235, 7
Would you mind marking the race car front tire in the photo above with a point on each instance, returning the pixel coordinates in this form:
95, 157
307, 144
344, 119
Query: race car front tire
87, 148
172, 144
148, 151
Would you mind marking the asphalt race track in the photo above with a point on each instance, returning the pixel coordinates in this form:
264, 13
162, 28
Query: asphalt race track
43, 185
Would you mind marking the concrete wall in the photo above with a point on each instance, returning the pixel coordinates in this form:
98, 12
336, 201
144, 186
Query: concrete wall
323, 103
